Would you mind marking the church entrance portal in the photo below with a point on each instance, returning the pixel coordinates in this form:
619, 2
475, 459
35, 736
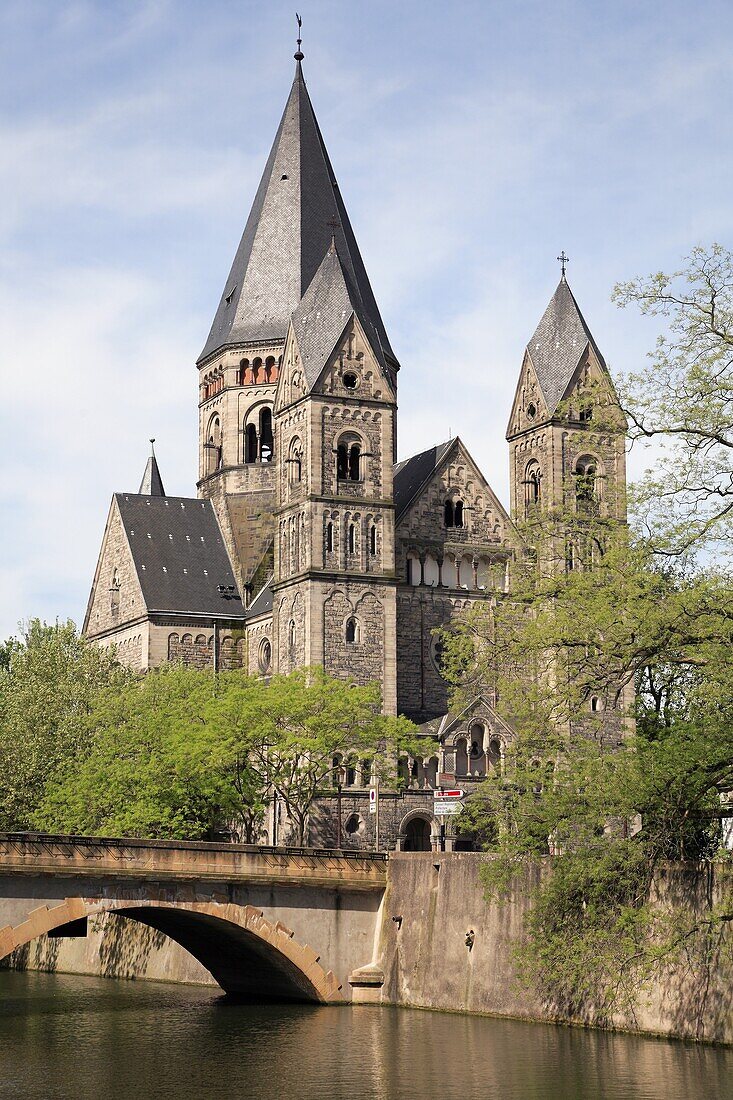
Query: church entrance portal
417, 836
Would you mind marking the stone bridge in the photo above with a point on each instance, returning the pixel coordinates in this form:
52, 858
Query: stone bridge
293, 924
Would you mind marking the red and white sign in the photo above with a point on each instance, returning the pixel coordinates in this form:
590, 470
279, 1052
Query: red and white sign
372, 800
447, 795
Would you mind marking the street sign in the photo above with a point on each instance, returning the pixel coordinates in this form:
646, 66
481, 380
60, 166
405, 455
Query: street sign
446, 809
448, 796
372, 800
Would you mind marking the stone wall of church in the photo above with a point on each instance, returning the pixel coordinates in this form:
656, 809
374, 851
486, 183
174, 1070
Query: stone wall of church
421, 690
362, 657
290, 626
116, 598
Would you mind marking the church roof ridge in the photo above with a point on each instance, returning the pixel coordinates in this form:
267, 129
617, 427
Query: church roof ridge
296, 213
557, 344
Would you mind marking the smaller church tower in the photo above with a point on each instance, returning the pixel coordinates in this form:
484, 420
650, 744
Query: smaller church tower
566, 435
334, 585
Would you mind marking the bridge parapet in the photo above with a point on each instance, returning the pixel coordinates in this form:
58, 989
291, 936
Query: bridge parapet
181, 861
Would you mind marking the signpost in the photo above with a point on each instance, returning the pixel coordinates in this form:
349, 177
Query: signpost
374, 809
446, 804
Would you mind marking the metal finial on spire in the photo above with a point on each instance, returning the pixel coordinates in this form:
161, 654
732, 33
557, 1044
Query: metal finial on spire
564, 261
299, 55
152, 447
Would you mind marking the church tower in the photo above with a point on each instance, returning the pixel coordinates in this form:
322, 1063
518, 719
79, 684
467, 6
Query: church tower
297, 410
566, 436
334, 586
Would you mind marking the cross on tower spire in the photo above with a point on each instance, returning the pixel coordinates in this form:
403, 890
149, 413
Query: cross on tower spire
299, 55
564, 261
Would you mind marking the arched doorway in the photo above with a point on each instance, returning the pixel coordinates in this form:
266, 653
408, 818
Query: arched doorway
417, 836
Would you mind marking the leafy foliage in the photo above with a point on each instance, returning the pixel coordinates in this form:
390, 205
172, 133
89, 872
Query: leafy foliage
618, 677
49, 679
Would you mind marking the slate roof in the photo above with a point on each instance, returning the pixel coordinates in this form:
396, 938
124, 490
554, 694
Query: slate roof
296, 211
152, 483
558, 343
411, 474
323, 313
179, 555
262, 603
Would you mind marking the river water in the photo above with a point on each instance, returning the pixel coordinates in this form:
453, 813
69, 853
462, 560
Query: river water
65, 1037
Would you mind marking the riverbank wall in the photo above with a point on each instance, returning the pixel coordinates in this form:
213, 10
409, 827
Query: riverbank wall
443, 946
438, 944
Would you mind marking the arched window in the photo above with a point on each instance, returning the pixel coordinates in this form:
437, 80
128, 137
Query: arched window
250, 443
354, 462
373, 540
292, 635
257, 370
586, 494
213, 446
352, 630
295, 461
495, 754
244, 372
350, 772
329, 537
532, 485
458, 514
448, 515
264, 657
461, 757
266, 438
348, 460
352, 538
403, 769
270, 369
596, 704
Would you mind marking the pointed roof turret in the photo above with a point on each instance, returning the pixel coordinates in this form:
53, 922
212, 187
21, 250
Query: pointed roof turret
324, 312
558, 343
296, 211
152, 483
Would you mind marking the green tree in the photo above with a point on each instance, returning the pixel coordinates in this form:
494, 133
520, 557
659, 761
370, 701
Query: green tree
149, 768
175, 754
292, 728
683, 400
645, 626
49, 679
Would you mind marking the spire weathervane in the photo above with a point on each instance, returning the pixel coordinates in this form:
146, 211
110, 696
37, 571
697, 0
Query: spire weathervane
152, 446
564, 261
299, 55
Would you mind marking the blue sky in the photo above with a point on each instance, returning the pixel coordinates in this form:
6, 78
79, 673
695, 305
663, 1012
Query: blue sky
472, 141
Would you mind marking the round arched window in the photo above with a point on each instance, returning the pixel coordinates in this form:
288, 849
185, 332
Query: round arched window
264, 657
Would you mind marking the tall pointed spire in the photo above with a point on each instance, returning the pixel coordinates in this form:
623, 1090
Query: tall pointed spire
152, 483
558, 343
296, 211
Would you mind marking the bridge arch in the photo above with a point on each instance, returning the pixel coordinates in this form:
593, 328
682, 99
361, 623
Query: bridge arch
245, 953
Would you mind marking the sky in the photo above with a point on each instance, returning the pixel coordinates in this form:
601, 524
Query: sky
472, 142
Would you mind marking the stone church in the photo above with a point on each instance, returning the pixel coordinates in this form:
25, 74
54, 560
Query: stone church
308, 542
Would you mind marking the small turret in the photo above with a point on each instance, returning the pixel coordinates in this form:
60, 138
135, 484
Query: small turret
152, 483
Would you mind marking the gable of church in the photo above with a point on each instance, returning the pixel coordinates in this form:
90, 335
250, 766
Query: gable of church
432, 513
116, 597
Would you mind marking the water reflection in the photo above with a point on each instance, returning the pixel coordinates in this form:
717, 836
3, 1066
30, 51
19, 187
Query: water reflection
64, 1037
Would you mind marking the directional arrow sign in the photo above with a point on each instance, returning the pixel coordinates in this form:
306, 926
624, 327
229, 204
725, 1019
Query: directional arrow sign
453, 806
447, 796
